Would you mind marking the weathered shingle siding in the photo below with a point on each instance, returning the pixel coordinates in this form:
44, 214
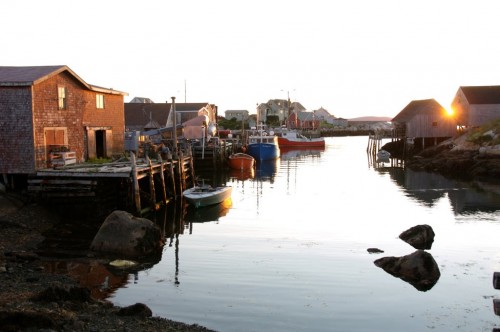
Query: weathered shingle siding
16, 130
112, 115
48, 115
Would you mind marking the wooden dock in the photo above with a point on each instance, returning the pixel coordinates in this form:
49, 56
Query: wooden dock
136, 185
375, 141
214, 155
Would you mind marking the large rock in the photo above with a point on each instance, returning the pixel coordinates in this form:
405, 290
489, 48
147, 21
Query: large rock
419, 269
419, 237
123, 234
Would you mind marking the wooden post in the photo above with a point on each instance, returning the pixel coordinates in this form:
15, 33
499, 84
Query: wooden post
182, 178
135, 185
152, 190
162, 177
172, 177
191, 166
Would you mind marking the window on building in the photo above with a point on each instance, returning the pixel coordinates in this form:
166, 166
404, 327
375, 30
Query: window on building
61, 97
99, 101
434, 123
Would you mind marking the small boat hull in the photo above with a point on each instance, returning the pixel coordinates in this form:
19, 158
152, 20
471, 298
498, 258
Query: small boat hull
200, 196
241, 161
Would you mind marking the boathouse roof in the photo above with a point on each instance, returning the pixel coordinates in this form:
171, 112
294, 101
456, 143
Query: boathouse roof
482, 94
424, 106
31, 75
138, 115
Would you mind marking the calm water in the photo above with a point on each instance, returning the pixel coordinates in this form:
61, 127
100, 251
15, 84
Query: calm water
289, 252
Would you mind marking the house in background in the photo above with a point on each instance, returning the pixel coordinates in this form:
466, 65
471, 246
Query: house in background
323, 115
476, 105
424, 123
239, 115
49, 109
279, 108
303, 120
146, 116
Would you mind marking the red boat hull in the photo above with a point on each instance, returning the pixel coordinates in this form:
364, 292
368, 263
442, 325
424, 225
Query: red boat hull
312, 143
241, 161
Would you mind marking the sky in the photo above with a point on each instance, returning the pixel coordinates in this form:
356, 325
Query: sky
354, 57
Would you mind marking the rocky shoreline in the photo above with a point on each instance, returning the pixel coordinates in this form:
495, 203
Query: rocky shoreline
34, 300
473, 156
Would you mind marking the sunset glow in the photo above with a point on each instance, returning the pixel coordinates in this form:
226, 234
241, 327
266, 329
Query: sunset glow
353, 58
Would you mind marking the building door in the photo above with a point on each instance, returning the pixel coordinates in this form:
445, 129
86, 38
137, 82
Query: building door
100, 143
54, 138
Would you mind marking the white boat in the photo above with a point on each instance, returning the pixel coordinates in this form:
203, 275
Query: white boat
383, 156
206, 195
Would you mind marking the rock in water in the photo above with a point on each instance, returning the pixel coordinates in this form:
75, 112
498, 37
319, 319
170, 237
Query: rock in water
419, 269
122, 233
419, 237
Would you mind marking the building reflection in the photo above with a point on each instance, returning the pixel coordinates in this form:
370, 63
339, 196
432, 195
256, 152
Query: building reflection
465, 197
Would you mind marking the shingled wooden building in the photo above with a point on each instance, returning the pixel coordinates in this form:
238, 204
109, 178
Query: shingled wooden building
49, 114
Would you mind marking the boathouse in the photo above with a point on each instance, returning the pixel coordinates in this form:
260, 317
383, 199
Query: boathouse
476, 105
423, 123
49, 115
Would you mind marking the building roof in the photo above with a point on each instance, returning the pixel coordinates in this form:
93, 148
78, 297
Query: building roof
31, 75
482, 94
142, 100
140, 114
425, 106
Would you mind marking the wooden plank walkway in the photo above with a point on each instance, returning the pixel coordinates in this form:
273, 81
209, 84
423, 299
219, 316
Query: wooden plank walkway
147, 184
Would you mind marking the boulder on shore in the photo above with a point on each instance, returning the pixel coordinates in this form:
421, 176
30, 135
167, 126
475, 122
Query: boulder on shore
123, 234
419, 269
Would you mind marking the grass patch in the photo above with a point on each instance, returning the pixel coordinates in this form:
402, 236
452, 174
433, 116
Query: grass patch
99, 161
488, 134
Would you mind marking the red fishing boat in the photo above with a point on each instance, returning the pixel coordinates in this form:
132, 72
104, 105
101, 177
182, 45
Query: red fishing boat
291, 138
241, 161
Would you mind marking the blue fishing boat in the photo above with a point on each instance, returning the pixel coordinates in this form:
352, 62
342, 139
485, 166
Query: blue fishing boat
263, 145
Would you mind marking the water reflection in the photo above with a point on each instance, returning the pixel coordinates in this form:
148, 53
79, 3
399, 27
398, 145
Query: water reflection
242, 175
207, 213
299, 153
383, 163
93, 274
267, 169
428, 188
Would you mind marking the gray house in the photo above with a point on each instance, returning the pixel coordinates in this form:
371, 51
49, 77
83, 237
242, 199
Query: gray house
424, 123
476, 105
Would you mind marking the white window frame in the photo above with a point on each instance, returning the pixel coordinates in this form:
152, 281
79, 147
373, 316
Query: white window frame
61, 97
99, 101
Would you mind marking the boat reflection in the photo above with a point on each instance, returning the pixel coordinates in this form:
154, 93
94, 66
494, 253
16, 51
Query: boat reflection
267, 169
299, 153
207, 213
242, 175
379, 162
